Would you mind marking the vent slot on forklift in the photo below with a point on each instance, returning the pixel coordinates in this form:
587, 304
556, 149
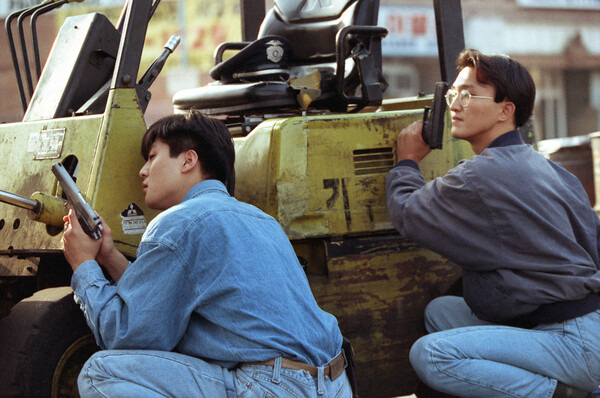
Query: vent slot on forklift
373, 161
80, 63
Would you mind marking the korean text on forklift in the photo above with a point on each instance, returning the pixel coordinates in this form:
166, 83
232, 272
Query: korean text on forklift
522, 229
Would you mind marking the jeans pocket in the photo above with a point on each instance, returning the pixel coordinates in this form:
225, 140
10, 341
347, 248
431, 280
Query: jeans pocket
259, 384
245, 386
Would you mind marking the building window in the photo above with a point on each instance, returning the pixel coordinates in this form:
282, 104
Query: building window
403, 80
550, 107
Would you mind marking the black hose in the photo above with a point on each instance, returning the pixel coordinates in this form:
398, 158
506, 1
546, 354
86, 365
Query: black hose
33, 22
13, 54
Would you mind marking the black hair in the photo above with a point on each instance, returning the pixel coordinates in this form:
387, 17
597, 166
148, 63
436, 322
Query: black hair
209, 138
511, 80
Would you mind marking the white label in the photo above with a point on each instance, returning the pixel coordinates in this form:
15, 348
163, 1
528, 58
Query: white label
46, 144
133, 220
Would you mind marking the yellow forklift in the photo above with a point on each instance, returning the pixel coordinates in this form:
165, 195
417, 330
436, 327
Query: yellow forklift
302, 95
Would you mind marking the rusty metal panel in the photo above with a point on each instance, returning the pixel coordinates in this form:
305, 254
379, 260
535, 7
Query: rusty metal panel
325, 175
378, 288
20, 145
107, 148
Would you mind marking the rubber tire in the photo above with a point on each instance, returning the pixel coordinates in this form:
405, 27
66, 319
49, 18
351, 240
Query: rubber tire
44, 342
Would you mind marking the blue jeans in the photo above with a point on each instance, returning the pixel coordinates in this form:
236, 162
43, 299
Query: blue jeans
138, 373
467, 357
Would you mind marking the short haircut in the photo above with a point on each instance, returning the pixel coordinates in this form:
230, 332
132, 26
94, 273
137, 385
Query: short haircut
510, 79
208, 137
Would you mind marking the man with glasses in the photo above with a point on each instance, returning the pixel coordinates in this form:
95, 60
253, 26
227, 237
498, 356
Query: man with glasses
522, 229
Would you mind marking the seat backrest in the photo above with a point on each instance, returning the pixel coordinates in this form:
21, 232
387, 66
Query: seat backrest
308, 52
80, 62
311, 26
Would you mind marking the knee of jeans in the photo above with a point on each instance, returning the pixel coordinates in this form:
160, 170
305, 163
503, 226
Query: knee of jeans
420, 355
432, 312
435, 303
435, 351
84, 379
93, 368
428, 357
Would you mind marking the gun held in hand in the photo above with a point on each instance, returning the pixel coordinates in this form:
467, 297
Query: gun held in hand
433, 117
88, 218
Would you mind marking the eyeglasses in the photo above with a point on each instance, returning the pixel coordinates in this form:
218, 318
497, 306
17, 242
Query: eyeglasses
464, 97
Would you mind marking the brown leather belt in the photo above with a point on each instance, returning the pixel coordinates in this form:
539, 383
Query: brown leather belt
333, 369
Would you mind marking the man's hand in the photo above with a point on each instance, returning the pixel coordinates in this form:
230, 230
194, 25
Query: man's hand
112, 259
410, 144
107, 248
78, 247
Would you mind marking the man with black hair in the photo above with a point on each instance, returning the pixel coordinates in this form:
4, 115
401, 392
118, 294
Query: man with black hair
522, 229
216, 303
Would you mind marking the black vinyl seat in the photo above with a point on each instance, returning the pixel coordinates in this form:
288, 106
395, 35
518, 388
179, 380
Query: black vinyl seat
306, 55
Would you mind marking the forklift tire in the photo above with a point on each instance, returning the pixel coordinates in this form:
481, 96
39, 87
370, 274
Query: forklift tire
44, 342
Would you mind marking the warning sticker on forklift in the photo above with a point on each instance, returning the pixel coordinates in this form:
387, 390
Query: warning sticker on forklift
133, 220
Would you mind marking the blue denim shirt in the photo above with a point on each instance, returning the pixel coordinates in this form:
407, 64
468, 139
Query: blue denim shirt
216, 279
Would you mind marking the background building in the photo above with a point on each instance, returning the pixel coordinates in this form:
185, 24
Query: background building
558, 40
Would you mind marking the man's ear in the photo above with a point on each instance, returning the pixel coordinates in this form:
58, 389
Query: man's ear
190, 161
508, 111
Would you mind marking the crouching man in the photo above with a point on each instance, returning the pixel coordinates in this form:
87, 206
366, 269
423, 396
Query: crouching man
216, 303
523, 231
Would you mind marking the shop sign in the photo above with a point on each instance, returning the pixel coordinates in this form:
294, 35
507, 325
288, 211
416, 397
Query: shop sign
568, 4
411, 31
7, 7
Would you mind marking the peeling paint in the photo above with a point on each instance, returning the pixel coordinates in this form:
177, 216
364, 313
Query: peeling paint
378, 287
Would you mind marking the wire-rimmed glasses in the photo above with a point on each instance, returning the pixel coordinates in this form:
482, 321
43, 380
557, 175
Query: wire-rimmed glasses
464, 97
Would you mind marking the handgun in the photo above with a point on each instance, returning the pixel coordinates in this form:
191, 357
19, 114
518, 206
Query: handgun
433, 117
88, 218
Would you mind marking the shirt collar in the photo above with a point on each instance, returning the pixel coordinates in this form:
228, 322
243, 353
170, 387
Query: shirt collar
506, 139
205, 186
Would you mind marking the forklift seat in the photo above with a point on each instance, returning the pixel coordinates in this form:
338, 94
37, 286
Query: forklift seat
308, 53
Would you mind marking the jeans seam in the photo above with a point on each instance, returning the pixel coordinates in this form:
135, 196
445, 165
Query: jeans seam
583, 339
454, 376
91, 382
342, 389
192, 369
187, 365
258, 377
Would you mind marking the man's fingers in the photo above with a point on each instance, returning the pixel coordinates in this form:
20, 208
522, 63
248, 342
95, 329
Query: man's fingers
416, 129
74, 221
410, 143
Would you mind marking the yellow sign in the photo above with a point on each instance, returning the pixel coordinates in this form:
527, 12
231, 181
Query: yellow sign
201, 24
